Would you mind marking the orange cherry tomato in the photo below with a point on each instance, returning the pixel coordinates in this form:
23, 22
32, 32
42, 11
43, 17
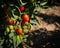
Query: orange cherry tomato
19, 31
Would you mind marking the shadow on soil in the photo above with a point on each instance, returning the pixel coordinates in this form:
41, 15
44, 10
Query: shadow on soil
45, 39
49, 18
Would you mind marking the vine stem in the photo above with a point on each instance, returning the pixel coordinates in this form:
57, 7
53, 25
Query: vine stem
20, 15
21, 1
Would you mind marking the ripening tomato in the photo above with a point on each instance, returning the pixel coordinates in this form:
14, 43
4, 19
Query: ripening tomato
21, 8
25, 18
10, 22
16, 27
19, 31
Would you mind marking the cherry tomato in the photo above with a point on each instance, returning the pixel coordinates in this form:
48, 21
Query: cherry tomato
7, 29
19, 31
21, 8
10, 22
18, 37
16, 27
24, 30
25, 18
11, 27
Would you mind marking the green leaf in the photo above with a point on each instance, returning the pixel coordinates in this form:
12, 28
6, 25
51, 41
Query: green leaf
34, 22
10, 40
32, 16
25, 40
29, 26
43, 3
45, 7
0, 46
14, 41
11, 34
1, 42
18, 42
25, 36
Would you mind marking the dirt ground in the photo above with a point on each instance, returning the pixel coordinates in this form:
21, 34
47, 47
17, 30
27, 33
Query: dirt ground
48, 19
47, 33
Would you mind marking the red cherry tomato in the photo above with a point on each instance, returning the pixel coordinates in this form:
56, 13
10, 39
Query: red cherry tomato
19, 31
25, 18
10, 22
21, 8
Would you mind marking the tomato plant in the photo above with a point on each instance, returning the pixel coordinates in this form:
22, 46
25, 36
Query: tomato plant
19, 17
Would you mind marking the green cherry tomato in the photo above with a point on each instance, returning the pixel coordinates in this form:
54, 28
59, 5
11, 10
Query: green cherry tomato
21, 37
7, 29
11, 27
18, 37
24, 30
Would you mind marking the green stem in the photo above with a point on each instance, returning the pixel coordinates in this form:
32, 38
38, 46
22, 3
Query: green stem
21, 1
14, 43
20, 15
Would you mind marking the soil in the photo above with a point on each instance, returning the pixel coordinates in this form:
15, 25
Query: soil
47, 33
48, 19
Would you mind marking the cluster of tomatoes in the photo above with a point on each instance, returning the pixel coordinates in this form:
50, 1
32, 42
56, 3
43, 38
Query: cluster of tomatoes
11, 23
25, 18
16, 26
